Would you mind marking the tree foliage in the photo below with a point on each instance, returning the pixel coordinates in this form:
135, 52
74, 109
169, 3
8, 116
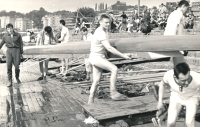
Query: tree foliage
36, 16
87, 12
63, 12
11, 14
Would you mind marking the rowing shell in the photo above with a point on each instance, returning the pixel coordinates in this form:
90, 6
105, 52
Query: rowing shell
163, 45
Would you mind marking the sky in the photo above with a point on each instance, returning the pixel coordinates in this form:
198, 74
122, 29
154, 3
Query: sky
25, 6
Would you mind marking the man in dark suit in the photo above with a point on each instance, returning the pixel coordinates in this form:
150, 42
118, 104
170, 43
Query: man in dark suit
14, 44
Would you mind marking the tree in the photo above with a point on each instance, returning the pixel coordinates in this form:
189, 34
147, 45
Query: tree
63, 12
12, 14
87, 12
36, 16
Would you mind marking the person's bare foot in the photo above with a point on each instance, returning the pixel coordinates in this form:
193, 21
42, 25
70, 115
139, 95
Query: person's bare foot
117, 96
90, 100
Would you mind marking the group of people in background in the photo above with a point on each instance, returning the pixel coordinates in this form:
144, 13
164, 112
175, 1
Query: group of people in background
47, 37
184, 83
147, 21
141, 24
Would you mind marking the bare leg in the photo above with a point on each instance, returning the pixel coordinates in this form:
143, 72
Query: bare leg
88, 68
173, 112
91, 78
191, 108
41, 68
66, 65
63, 66
46, 62
105, 64
96, 78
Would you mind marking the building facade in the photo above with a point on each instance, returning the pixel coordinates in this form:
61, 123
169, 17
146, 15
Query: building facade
121, 6
54, 21
196, 9
23, 24
5, 20
51, 20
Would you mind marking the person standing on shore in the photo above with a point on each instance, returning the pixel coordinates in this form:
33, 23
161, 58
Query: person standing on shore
97, 58
14, 44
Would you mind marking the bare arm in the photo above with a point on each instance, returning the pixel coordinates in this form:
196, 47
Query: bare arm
62, 37
54, 38
161, 91
111, 49
160, 94
180, 28
38, 39
181, 24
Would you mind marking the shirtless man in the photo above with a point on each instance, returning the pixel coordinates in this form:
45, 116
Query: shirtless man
99, 45
185, 91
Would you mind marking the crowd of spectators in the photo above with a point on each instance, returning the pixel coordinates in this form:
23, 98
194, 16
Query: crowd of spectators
79, 25
148, 20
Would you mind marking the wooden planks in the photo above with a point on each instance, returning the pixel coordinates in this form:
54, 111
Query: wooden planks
122, 81
144, 76
33, 104
112, 109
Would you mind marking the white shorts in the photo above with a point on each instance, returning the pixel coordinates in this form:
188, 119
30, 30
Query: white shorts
77, 28
176, 98
94, 57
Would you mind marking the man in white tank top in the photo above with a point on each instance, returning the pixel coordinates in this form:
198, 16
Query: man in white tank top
99, 45
185, 91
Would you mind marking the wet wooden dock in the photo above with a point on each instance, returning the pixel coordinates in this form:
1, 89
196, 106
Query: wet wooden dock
33, 104
56, 104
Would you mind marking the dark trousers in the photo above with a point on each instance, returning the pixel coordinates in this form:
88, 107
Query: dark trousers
13, 57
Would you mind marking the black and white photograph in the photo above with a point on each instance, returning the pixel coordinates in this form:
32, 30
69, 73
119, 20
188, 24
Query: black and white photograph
100, 63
